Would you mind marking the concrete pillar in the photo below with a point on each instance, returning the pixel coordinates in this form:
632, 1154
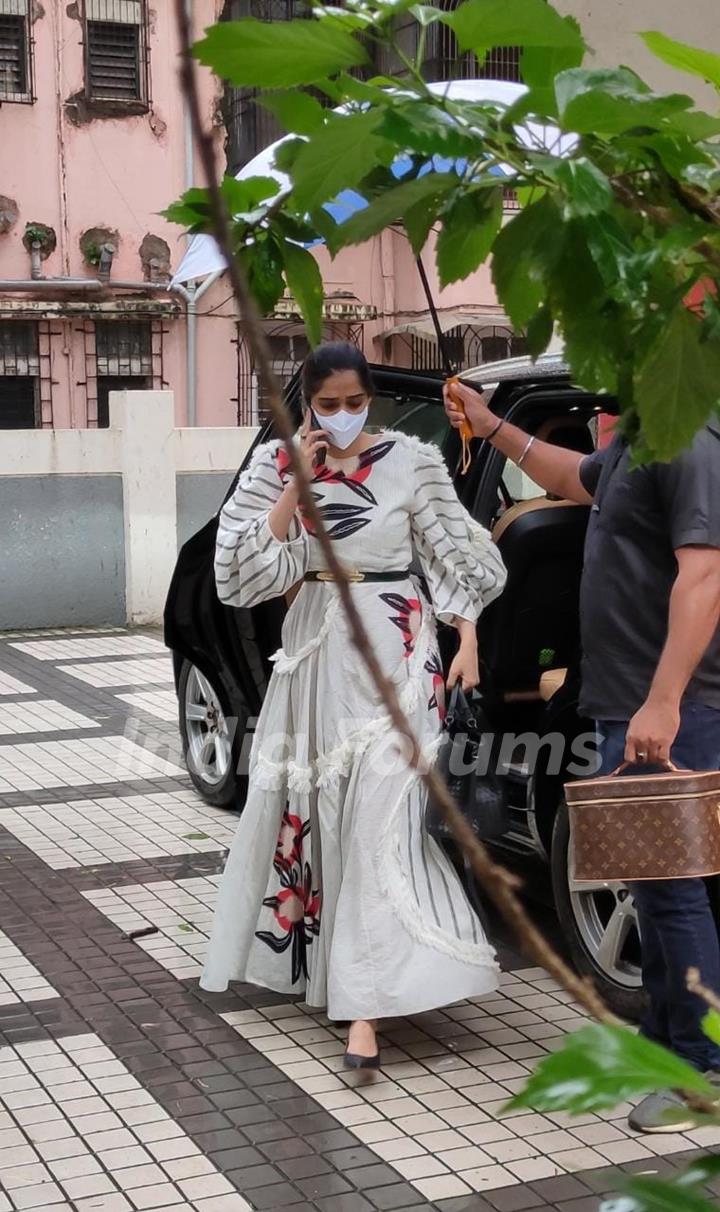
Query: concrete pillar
146, 422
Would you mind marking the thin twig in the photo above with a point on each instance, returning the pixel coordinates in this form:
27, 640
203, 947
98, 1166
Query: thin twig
495, 880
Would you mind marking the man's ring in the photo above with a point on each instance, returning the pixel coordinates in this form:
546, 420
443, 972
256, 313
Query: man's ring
642, 756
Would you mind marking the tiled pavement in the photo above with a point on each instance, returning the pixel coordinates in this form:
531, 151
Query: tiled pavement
124, 1087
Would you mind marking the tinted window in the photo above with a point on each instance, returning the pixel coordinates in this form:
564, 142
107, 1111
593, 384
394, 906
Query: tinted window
424, 418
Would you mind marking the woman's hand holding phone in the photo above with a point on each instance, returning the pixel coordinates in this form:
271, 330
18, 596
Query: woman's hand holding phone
313, 446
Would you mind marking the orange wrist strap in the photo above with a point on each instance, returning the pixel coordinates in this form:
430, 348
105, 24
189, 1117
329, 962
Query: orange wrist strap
466, 433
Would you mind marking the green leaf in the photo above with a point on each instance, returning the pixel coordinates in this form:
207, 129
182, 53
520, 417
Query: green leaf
611, 248
470, 225
523, 251
675, 152
393, 205
677, 386
539, 65
539, 331
425, 14
337, 157
191, 211
287, 152
601, 1066
418, 223
611, 101
686, 58
429, 130
703, 1170
648, 1194
295, 111
305, 284
695, 124
587, 189
711, 1026
278, 54
245, 196
263, 263
479, 24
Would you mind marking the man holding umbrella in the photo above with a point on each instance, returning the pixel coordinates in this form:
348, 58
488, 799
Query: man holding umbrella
649, 613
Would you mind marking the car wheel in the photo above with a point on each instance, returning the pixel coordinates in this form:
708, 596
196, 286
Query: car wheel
208, 743
599, 922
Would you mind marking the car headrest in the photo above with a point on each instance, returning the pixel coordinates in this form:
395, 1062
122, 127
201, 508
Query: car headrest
523, 507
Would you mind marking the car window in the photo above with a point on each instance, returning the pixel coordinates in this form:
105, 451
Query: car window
577, 432
426, 419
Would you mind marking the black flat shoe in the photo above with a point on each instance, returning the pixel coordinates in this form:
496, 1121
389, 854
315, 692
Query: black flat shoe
351, 1060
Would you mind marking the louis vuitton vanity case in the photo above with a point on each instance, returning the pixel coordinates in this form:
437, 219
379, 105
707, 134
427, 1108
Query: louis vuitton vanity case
645, 827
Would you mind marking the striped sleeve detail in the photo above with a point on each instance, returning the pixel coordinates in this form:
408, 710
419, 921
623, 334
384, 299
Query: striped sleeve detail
251, 565
461, 563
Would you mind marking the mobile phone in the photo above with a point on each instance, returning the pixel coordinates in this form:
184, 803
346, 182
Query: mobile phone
320, 456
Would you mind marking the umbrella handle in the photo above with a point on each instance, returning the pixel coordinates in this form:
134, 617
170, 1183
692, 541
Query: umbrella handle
466, 432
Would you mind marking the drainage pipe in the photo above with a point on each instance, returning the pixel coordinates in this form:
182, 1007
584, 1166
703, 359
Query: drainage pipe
36, 285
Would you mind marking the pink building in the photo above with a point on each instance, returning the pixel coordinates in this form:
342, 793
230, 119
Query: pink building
95, 144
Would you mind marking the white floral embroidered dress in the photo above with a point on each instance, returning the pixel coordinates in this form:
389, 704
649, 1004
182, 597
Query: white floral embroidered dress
332, 889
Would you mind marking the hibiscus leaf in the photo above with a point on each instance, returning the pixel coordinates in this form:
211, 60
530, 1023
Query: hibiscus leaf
337, 157
677, 385
685, 58
278, 54
601, 1066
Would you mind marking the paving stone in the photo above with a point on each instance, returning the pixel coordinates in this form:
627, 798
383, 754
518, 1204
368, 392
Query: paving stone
172, 1095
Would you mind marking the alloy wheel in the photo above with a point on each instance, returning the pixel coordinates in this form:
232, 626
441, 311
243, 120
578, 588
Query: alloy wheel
607, 922
209, 750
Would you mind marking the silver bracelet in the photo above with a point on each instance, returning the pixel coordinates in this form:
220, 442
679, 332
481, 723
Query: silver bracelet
526, 452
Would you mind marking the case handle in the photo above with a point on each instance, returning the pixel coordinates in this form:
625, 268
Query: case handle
669, 766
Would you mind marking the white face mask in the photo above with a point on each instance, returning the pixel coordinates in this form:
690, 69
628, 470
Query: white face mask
343, 427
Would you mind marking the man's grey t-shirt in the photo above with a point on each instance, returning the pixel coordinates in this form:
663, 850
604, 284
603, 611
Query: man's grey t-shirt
638, 520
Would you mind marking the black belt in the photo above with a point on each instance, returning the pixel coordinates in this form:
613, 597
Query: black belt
355, 576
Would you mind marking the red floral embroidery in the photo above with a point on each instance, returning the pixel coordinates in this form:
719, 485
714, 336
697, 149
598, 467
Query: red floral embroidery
289, 848
437, 699
296, 906
408, 617
342, 518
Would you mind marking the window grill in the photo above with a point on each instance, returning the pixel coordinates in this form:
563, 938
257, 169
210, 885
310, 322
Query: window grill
443, 59
120, 355
19, 353
116, 51
123, 347
467, 345
16, 82
19, 375
250, 127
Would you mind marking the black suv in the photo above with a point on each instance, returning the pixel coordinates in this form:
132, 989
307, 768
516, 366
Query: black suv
529, 643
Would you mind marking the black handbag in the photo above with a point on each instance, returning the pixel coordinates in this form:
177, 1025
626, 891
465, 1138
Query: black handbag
464, 762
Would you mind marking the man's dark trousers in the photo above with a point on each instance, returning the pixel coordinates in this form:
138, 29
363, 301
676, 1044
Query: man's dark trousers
676, 919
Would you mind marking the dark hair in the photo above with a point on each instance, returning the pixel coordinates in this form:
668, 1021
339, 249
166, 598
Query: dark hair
335, 355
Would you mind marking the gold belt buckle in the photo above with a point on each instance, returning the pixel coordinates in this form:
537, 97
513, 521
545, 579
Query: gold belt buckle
352, 574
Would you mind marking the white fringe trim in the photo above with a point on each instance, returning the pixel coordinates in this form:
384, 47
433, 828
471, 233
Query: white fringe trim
329, 768
299, 778
394, 885
267, 774
285, 663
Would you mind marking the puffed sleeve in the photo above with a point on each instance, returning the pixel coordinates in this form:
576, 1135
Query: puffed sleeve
461, 563
251, 565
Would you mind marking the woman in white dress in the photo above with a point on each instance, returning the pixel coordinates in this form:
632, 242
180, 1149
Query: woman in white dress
332, 887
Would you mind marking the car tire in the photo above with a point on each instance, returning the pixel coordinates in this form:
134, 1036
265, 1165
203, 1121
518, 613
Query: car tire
209, 748
599, 925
